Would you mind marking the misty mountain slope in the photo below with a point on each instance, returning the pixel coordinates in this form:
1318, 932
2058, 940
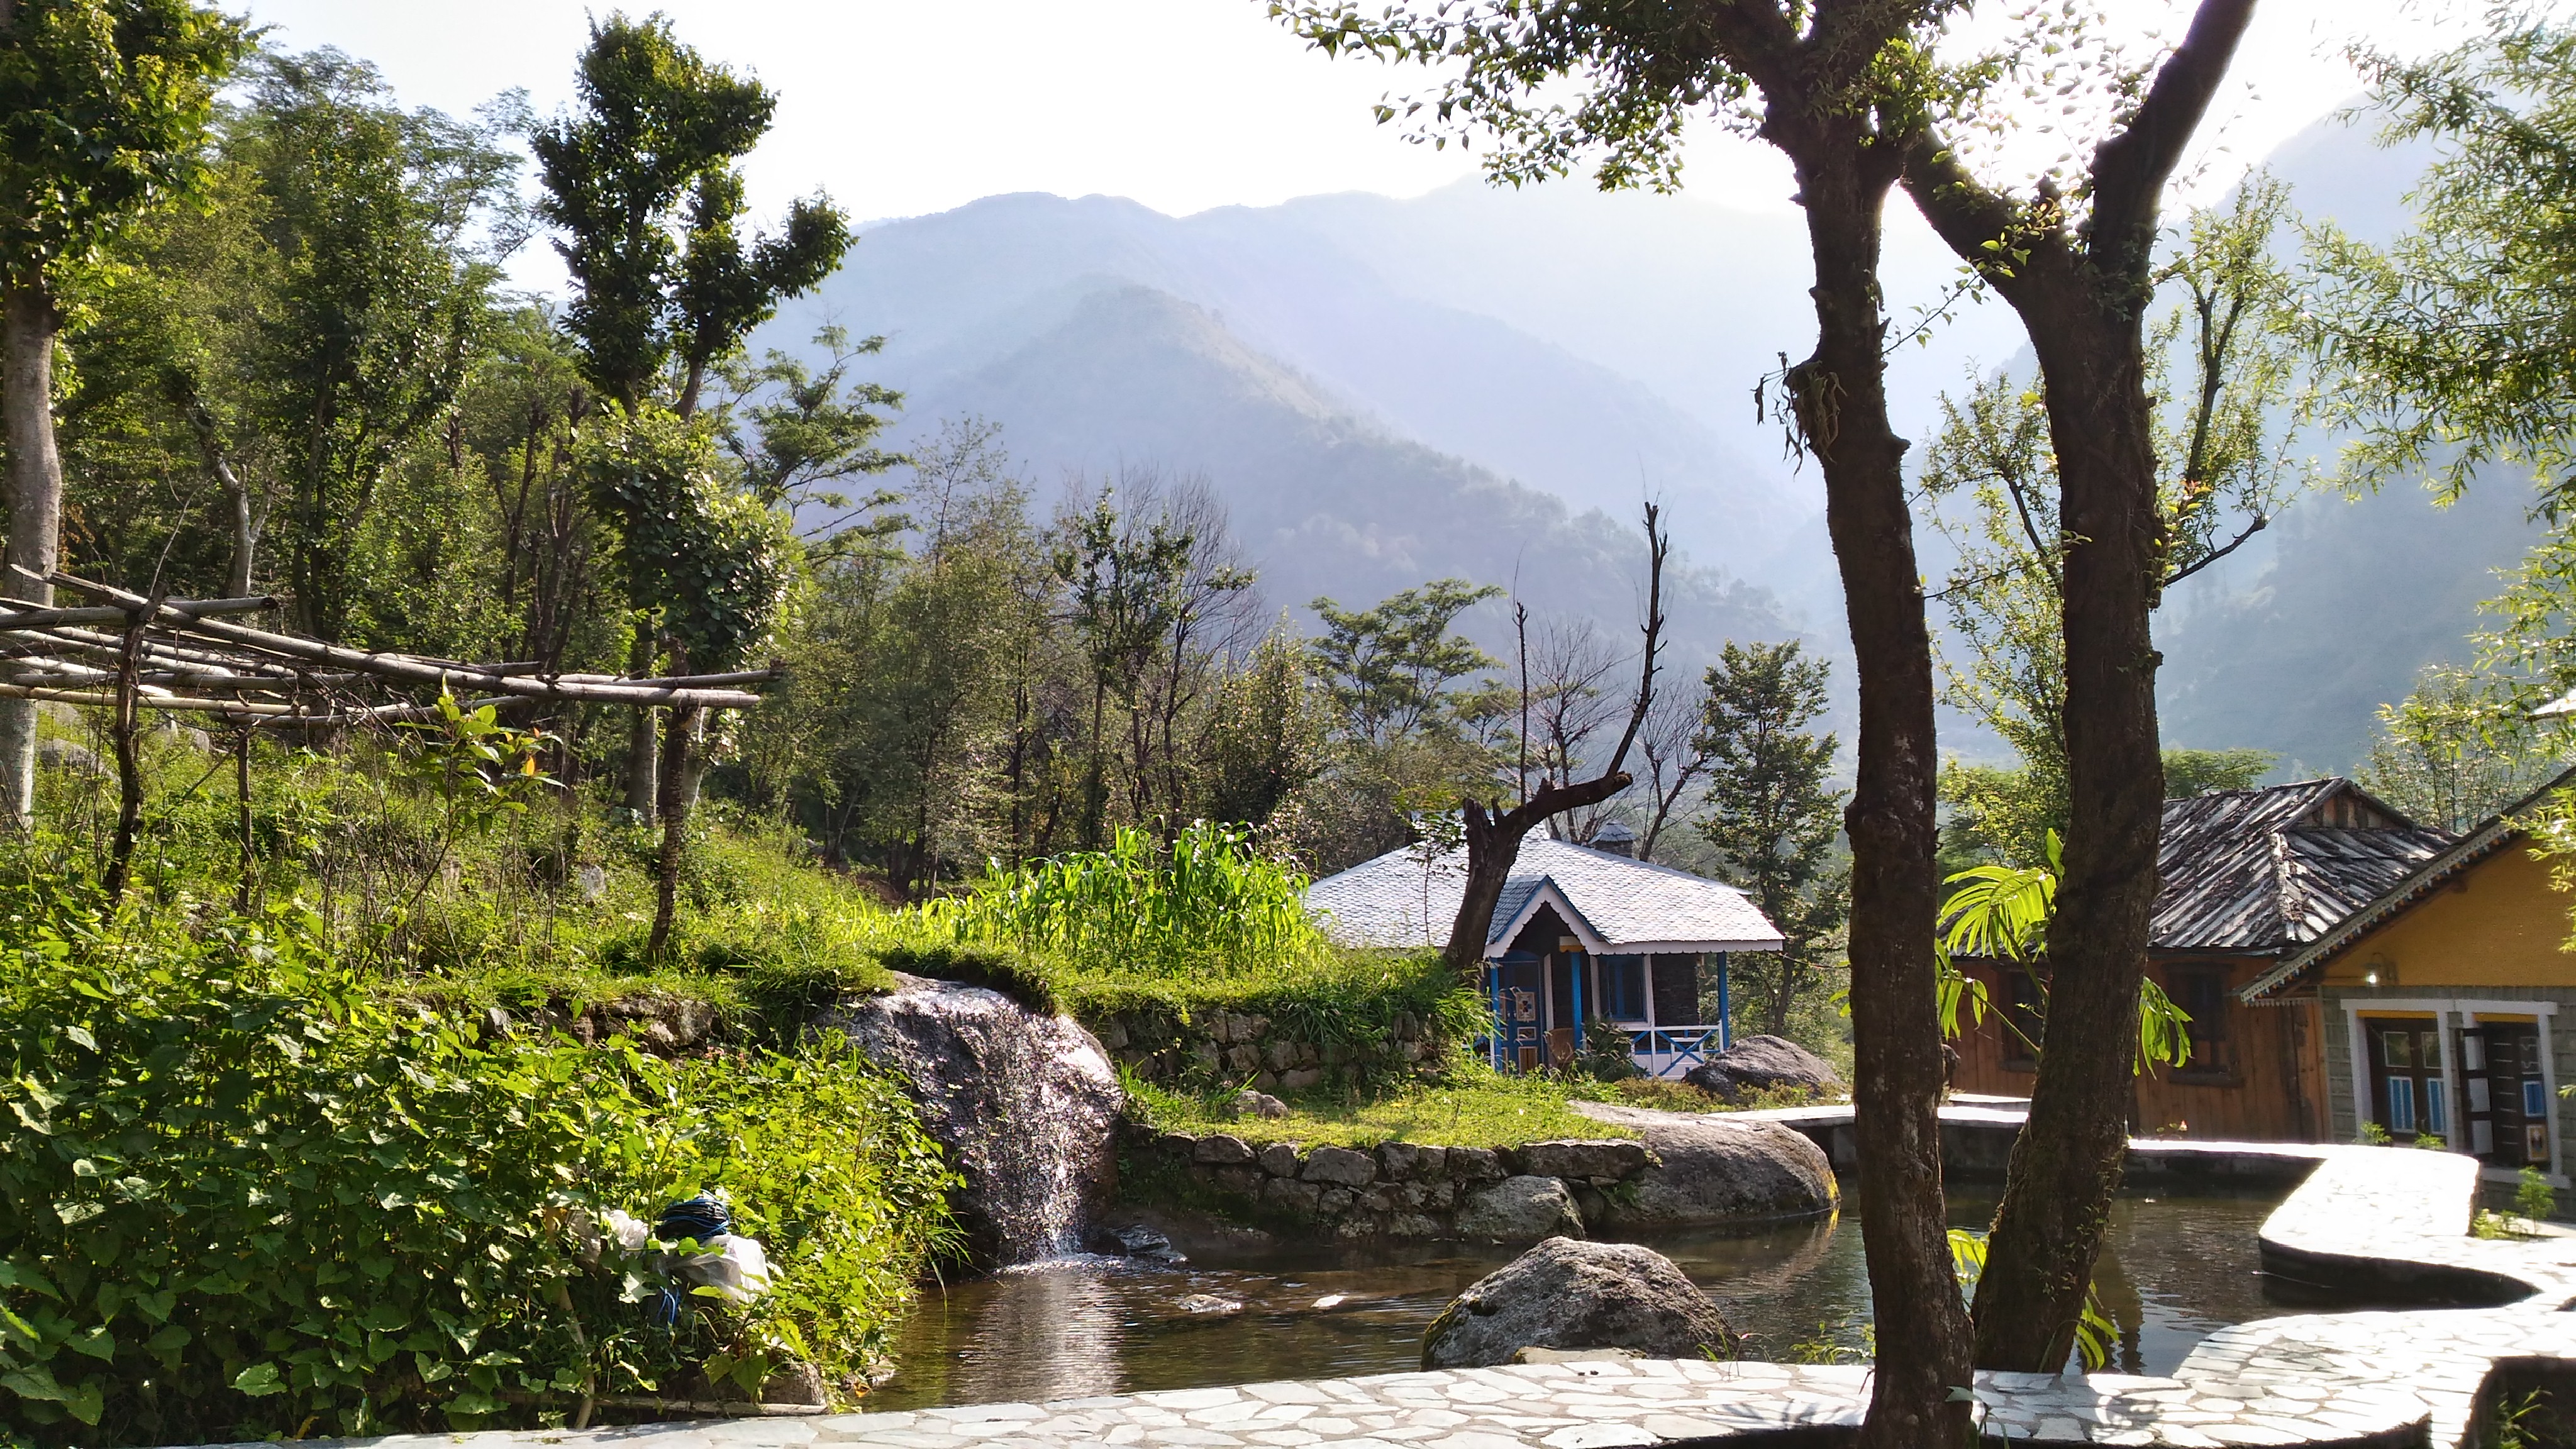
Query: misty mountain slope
1324, 501
2358, 597
2294, 644
956, 291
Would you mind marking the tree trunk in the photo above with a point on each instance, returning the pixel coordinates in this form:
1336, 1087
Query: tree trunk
242, 894
1841, 406
643, 740
34, 489
679, 782
1493, 838
246, 519
2066, 1163
2083, 292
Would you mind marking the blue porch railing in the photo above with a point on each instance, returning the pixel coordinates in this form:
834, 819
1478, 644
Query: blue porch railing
1671, 1051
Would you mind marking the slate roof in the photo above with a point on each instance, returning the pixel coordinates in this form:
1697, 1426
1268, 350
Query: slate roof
1616, 905
2427, 875
2265, 871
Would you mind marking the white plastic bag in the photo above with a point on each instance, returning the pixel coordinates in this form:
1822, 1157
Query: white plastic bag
627, 1231
738, 1268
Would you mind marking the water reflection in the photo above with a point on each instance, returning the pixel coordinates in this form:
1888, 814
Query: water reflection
2175, 1269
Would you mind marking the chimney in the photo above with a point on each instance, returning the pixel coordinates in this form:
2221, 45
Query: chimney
1614, 838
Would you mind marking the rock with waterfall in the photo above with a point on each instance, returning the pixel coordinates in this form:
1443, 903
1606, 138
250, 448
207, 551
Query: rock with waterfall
1025, 1103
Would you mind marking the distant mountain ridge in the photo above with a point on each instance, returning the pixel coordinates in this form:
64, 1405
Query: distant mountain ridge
1484, 383
1329, 503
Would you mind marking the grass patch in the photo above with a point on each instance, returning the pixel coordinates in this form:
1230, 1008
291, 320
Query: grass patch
1667, 1094
1476, 1107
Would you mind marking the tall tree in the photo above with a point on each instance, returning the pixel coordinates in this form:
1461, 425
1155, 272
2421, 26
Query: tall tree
2079, 268
1410, 720
1856, 96
2221, 371
1772, 816
388, 228
1837, 88
641, 179
2450, 355
104, 106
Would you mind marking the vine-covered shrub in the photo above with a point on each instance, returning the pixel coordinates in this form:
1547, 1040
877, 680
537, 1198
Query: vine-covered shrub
244, 1194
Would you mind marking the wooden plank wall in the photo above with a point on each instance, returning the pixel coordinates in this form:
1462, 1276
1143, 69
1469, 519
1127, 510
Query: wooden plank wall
2271, 1087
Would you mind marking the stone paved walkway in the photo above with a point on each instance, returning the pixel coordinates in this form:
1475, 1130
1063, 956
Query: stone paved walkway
2396, 1219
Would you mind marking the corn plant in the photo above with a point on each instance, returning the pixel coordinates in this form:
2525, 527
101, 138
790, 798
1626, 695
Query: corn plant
1207, 903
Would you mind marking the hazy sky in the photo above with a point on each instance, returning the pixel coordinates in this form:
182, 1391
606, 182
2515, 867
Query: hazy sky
900, 107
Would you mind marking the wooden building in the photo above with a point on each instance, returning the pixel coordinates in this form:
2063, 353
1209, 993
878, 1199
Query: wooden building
2439, 1001
1581, 937
2250, 879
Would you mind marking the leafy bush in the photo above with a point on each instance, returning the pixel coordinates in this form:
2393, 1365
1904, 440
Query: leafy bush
244, 1194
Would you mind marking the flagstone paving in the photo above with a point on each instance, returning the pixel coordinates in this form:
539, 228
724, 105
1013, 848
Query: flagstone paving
2375, 1219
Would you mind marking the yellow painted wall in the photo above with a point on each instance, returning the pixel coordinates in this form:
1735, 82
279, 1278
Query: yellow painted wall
2496, 924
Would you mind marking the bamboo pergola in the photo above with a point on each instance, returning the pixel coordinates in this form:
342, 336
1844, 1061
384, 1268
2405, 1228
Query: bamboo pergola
129, 653
187, 654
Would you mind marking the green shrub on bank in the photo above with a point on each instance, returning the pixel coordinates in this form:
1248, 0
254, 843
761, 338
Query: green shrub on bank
244, 1194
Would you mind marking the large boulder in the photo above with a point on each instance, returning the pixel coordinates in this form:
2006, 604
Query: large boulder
1025, 1103
1763, 1063
1519, 1210
1565, 1294
1710, 1171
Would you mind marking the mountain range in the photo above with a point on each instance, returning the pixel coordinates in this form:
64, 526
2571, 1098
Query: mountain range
1485, 383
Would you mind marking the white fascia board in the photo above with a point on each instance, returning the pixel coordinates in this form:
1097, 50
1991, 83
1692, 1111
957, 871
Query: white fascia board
1498, 943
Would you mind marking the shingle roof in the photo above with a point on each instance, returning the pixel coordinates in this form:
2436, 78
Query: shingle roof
1616, 904
2271, 869
2428, 874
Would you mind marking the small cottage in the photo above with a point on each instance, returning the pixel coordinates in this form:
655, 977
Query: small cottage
2439, 999
1582, 935
2250, 878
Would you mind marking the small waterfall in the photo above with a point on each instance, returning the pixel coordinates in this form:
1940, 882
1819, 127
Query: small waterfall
1026, 1104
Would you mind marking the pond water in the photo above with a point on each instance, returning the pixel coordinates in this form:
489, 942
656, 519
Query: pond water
2175, 1269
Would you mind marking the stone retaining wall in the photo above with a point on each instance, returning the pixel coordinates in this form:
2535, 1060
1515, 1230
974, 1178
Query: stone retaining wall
1238, 1048
1391, 1190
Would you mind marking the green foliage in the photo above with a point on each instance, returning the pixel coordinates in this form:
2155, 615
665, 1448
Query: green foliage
2449, 349
1206, 904
1772, 816
247, 1193
1392, 669
378, 299
641, 178
2001, 914
102, 106
2201, 772
1266, 739
1997, 816
2534, 1200
709, 561
2457, 750
811, 429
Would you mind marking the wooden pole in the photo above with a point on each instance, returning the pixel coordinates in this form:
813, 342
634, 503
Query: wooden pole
129, 767
241, 791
